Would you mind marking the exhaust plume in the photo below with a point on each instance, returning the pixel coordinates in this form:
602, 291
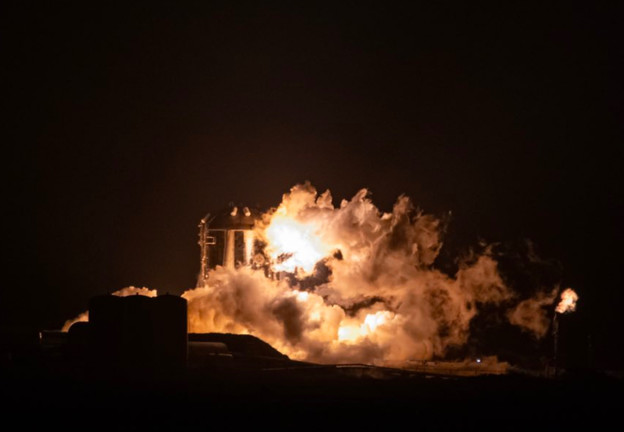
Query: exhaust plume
532, 315
350, 283
353, 284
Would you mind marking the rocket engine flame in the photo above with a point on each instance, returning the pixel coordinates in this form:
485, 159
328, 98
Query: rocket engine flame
293, 246
362, 286
568, 301
350, 283
294, 231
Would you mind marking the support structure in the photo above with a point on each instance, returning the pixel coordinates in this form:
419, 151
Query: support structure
555, 330
227, 240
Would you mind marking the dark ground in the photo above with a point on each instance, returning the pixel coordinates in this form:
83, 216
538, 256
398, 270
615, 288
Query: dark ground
244, 396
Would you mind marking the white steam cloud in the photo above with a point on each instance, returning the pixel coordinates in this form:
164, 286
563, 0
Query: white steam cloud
532, 315
352, 284
373, 297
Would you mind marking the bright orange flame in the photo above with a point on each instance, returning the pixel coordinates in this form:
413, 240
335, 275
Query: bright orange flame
568, 301
354, 332
378, 298
293, 245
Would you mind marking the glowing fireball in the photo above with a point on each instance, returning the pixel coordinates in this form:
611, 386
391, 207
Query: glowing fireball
294, 246
568, 301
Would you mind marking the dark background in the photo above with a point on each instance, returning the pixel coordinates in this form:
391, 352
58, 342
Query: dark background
125, 126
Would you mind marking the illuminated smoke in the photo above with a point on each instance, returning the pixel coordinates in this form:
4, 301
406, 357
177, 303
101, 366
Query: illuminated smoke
532, 315
83, 317
124, 292
350, 283
568, 301
361, 285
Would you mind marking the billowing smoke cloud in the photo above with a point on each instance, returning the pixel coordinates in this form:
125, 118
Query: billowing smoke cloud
357, 285
531, 314
124, 292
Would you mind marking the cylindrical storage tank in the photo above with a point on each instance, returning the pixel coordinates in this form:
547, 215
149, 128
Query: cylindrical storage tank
170, 328
138, 346
106, 322
78, 337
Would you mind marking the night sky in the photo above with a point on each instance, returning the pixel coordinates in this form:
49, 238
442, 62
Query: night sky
126, 126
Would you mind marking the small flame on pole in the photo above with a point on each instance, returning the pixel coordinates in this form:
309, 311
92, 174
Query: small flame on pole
568, 301
567, 304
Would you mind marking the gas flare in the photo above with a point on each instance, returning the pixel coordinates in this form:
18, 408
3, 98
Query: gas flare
568, 301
